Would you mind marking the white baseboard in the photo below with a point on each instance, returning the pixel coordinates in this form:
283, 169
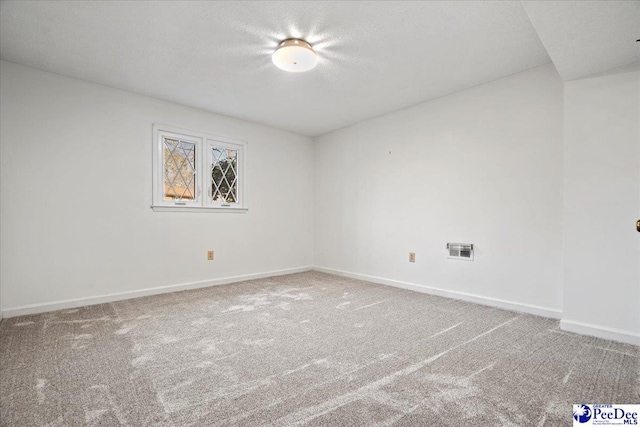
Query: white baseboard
493, 302
80, 302
567, 325
600, 332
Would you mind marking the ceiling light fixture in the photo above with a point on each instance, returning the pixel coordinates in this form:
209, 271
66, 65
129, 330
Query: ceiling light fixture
295, 55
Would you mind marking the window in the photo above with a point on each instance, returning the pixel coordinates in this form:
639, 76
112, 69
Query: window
224, 175
193, 171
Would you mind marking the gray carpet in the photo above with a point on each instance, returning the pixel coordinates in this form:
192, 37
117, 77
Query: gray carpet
304, 349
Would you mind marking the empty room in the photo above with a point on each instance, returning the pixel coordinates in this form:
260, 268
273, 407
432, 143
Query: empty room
318, 213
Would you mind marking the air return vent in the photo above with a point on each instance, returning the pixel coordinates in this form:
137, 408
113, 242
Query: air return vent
460, 251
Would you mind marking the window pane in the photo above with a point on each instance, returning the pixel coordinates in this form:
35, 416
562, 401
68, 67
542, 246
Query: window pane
179, 170
224, 175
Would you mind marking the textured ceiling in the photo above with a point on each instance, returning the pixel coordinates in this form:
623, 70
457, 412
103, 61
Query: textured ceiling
587, 37
375, 57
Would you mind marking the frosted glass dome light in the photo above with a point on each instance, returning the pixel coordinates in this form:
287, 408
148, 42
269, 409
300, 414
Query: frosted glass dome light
295, 55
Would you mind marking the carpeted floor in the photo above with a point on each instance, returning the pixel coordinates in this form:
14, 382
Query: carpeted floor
304, 349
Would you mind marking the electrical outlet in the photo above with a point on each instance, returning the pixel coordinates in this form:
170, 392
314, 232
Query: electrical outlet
210, 255
412, 257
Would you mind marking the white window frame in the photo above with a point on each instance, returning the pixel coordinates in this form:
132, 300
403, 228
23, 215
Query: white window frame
204, 142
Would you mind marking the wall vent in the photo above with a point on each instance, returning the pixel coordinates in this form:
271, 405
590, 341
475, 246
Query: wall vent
460, 251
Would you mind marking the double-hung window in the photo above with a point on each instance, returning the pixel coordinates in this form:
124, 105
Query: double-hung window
193, 171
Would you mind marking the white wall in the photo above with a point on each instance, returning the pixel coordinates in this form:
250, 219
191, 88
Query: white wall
76, 190
602, 204
482, 166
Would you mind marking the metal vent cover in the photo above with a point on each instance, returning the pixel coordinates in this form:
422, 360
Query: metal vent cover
460, 251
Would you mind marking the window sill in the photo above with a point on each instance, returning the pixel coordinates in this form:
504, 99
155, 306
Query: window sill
197, 209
